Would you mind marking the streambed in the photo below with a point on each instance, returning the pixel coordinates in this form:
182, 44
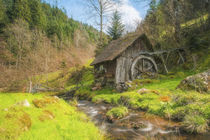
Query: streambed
135, 126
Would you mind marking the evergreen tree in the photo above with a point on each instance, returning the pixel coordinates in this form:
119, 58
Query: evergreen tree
116, 29
2, 10
38, 17
21, 10
3, 17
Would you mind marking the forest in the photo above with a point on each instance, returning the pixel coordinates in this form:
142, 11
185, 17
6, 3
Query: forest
104, 70
35, 38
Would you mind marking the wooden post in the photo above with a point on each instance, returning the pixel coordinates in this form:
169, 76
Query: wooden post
164, 64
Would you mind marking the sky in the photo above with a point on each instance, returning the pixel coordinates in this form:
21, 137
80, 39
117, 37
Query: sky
131, 12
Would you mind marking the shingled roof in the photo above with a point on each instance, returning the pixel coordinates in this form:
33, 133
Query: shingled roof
116, 47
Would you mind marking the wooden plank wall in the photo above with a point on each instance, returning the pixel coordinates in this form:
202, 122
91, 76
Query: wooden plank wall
125, 60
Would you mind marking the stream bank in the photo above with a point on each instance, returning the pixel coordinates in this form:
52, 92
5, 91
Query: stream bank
136, 125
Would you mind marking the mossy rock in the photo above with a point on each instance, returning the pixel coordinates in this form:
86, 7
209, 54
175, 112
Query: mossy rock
199, 82
117, 113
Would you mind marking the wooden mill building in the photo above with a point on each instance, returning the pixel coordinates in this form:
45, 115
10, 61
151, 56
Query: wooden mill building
124, 60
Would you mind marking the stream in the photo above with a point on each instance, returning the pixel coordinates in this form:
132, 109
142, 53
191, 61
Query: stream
135, 126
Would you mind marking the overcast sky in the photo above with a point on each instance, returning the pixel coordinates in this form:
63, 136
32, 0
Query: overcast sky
131, 12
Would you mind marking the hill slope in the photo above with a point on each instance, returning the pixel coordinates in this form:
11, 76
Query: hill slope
36, 38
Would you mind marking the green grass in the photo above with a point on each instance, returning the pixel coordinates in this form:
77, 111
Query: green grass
56, 120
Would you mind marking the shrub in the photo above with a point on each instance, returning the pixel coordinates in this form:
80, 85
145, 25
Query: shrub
195, 123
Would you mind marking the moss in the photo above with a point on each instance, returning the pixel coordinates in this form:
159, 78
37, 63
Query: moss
182, 100
40, 103
25, 122
177, 113
206, 112
125, 100
46, 115
180, 74
84, 93
156, 108
165, 98
111, 99
161, 76
55, 121
117, 113
140, 82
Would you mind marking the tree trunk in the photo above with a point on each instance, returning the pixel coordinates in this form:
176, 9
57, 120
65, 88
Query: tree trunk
101, 23
30, 86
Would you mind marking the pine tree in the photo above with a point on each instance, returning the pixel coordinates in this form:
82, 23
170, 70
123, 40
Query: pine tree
21, 10
2, 15
38, 17
2, 10
116, 29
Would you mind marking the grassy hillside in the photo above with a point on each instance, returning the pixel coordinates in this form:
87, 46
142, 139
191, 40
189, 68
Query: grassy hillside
45, 118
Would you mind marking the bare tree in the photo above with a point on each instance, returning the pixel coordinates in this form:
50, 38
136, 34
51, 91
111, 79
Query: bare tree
101, 9
18, 39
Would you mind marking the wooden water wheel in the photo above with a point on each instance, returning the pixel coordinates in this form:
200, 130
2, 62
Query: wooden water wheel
143, 66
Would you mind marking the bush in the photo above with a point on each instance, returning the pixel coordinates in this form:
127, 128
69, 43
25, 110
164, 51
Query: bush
195, 123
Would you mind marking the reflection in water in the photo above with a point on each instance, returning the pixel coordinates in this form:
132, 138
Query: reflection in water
135, 126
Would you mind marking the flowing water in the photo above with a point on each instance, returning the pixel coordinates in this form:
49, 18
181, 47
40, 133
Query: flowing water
135, 126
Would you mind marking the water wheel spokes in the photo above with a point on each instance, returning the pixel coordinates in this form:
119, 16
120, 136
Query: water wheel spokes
143, 66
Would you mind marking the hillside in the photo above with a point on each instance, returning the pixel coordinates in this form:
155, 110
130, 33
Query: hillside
37, 38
